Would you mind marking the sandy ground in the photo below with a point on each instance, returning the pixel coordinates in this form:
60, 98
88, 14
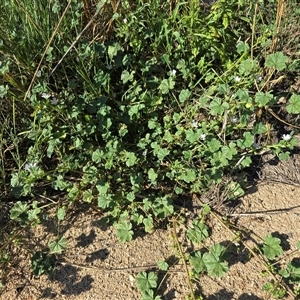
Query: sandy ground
96, 265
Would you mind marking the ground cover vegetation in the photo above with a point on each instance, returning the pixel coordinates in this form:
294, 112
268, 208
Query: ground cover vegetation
132, 106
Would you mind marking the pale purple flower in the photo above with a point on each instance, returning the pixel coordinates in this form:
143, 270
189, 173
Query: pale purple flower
29, 166
54, 101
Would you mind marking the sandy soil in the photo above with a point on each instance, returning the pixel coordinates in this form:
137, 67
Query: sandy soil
97, 266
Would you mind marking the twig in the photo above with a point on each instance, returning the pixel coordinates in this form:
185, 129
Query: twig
46, 49
184, 262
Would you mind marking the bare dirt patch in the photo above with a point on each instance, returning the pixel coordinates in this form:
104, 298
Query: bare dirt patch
97, 266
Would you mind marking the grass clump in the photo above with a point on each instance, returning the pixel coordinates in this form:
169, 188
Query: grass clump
132, 105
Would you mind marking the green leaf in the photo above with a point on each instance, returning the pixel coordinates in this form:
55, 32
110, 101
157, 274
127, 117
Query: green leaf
130, 196
162, 207
42, 263
213, 262
145, 282
198, 232
188, 176
162, 153
247, 66
97, 156
284, 155
88, 196
18, 210
197, 262
214, 145
242, 47
58, 246
102, 187
234, 190
152, 176
167, 85
59, 183
206, 209
294, 104
223, 89
218, 106
61, 213
113, 50
131, 159
247, 141
163, 265
271, 247
184, 95
192, 136
3, 90
124, 232
263, 99
229, 151
218, 159
148, 222
126, 76
104, 200
276, 60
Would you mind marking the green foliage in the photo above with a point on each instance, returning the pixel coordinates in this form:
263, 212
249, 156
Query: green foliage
124, 232
58, 246
146, 282
210, 261
277, 60
22, 213
41, 263
294, 104
274, 289
132, 122
271, 247
198, 232
291, 272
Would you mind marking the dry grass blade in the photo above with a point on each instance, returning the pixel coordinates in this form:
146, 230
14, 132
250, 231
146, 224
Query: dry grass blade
46, 49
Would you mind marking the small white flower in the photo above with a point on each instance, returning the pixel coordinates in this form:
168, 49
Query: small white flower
54, 101
144, 153
234, 119
237, 78
29, 166
125, 20
286, 137
194, 124
259, 78
45, 95
202, 137
173, 72
38, 73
